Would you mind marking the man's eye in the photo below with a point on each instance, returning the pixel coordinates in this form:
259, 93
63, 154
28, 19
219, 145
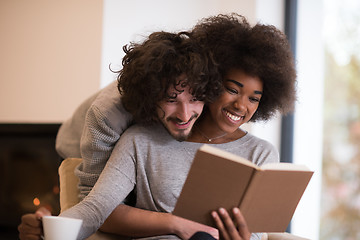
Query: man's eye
169, 100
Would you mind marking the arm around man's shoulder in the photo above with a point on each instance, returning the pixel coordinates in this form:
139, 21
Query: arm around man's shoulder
92, 132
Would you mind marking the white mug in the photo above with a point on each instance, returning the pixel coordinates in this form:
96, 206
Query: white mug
61, 228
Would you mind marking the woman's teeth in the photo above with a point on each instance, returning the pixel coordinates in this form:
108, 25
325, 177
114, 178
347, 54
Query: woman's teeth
232, 117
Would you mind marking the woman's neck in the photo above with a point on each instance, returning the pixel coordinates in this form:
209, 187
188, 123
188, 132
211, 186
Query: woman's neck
206, 131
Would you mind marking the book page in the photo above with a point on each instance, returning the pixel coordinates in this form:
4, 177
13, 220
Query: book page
285, 166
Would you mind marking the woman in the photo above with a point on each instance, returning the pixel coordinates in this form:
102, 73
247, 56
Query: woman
259, 80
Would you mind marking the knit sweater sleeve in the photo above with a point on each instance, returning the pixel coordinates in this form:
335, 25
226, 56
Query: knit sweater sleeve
116, 181
69, 134
105, 121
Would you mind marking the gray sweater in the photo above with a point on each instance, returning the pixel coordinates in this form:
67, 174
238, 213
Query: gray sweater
91, 134
150, 161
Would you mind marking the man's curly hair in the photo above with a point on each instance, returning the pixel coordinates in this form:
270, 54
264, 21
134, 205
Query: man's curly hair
261, 51
151, 67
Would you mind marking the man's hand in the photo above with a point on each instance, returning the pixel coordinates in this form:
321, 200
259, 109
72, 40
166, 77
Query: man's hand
187, 228
229, 229
30, 227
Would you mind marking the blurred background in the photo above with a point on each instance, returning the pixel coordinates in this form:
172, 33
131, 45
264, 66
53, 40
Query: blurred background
54, 54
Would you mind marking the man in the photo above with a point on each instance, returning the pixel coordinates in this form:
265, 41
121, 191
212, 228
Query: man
164, 61
149, 69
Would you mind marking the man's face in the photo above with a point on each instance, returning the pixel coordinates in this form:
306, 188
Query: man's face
179, 114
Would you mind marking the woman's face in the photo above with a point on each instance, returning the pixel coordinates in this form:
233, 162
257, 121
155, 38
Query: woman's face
238, 102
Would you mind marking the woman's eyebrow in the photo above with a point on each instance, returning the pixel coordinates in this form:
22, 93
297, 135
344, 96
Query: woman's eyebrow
242, 85
235, 82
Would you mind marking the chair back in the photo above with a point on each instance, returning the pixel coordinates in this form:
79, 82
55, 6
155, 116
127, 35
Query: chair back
69, 192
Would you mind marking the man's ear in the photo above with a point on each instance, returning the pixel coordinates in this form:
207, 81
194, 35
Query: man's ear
157, 116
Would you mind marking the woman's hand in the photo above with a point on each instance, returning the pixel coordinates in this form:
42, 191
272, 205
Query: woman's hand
231, 229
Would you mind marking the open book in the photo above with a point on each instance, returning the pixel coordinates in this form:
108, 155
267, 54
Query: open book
267, 196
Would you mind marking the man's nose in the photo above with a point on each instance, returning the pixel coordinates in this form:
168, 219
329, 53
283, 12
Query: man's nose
184, 112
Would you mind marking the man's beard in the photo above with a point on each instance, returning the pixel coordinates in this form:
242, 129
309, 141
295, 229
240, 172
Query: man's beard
181, 136
178, 137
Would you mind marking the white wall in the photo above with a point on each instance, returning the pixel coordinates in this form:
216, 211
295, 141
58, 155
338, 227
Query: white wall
308, 117
49, 58
126, 21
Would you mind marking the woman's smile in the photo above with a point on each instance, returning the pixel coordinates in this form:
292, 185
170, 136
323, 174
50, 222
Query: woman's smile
232, 116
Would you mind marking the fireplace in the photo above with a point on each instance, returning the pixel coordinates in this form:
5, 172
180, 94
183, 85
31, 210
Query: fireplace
28, 173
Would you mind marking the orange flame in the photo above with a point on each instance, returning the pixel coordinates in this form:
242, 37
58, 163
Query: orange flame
36, 202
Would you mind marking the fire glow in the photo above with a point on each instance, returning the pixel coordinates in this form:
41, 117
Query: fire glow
36, 201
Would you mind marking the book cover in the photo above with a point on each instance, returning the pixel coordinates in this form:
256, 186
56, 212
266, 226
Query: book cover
267, 196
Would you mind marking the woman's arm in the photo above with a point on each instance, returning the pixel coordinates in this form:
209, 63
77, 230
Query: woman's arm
135, 222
